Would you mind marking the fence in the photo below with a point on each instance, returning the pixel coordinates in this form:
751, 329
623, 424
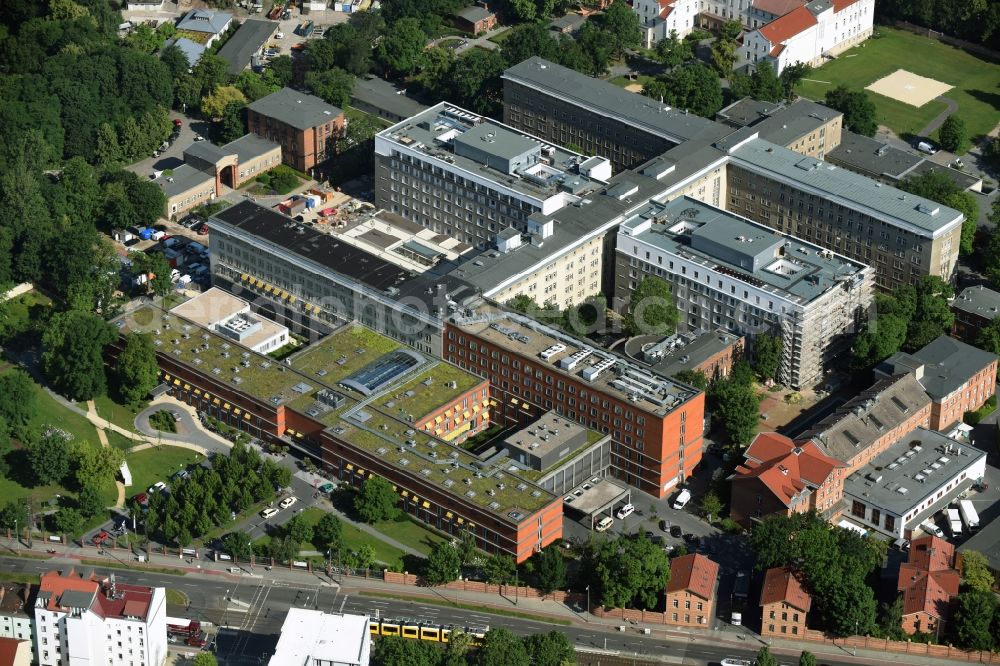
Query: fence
519, 591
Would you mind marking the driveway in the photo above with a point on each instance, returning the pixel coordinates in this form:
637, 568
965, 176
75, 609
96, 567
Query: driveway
173, 157
189, 429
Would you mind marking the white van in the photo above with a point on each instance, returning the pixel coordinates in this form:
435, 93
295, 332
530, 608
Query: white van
604, 523
625, 512
926, 147
682, 499
929, 527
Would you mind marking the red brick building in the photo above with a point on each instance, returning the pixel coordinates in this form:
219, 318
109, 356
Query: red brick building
475, 20
928, 582
785, 604
958, 377
691, 591
307, 128
786, 477
656, 425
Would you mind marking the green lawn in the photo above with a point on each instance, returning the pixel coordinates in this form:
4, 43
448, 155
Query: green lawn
623, 81
121, 415
502, 37
354, 538
976, 81
157, 464
410, 533
450, 43
49, 411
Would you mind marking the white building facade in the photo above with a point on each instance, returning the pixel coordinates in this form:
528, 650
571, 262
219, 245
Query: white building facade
87, 622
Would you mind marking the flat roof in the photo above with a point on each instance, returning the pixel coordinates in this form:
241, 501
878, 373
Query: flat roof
184, 178
215, 307
685, 351
445, 133
381, 94
727, 243
911, 471
979, 301
618, 376
987, 542
871, 156
549, 433
312, 636
597, 497
787, 124
249, 147
746, 111
375, 427
206, 150
401, 242
248, 40
948, 364
918, 214
295, 108
607, 99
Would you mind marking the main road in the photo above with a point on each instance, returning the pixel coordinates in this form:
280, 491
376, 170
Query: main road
250, 611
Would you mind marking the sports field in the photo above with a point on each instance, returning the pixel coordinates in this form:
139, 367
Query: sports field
976, 81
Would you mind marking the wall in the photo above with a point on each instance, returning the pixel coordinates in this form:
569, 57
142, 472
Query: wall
782, 620
968, 398
568, 280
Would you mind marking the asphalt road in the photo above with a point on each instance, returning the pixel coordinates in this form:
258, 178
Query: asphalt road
251, 620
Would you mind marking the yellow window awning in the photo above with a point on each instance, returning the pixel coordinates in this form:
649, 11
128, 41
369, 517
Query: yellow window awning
448, 514
426, 504
460, 520
405, 493
187, 387
246, 416
197, 391
244, 276
216, 401
237, 411
513, 401
177, 382
350, 466
226, 405
166, 378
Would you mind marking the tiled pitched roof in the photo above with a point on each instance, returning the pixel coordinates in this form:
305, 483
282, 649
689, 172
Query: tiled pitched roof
695, 573
778, 7
781, 584
931, 553
56, 585
784, 28
841, 5
785, 467
8, 650
927, 580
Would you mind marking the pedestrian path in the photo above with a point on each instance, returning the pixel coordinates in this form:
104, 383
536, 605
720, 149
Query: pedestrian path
102, 437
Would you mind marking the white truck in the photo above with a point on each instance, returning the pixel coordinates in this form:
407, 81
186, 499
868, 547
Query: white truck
969, 515
954, 522
682, 499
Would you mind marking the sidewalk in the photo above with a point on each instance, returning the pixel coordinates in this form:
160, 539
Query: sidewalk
738, 638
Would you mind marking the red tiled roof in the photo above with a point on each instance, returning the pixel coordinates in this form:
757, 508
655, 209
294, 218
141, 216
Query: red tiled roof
785, 467
8, 650
929, 592
781, 584
778, 7
841, 5
129, 600
931, 553
784, 28
695, 573
56, 584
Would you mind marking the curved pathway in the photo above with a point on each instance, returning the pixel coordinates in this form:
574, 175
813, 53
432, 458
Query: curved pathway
102, 437
940, 118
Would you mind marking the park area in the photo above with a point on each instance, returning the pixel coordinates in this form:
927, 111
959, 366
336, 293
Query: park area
975, 82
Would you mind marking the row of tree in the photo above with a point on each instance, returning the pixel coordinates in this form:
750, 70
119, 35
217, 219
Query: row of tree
972, 20
500, 648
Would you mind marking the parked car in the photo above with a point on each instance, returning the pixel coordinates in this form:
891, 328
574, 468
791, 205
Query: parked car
676, 531
101, 537
287, 502
268, 513
157, 487
926, 147
625, 512
326, 488
141, 498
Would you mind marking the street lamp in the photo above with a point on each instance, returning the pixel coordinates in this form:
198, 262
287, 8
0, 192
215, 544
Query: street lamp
588, 599
854, 650
250, 548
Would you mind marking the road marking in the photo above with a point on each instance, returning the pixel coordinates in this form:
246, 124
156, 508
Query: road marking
343, 601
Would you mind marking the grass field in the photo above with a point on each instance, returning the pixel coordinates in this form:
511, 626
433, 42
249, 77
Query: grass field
623, 81
976, 81
157, 464
501, 37
410, 533
115, 412
354, 538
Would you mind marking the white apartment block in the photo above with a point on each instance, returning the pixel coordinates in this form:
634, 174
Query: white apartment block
729, 273
15, 612
92, 622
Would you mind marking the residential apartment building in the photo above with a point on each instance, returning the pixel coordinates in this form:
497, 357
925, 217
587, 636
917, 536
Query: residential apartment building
974, 309
903, 236
868, 424
567, 108
328, 639
809, 33
928, 581
660, 18
306, 127
14, 652
364, 405
90, 621
780, 476
785, 603
958, 377
655, 424
729, 273
17, 601
691, 592
471, 178
911, 481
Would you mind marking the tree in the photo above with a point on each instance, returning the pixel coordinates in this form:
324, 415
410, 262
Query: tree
298, 530
466, 546
765, 658
711, 505
723, 56
627, 571
674, 51
17, 399
735, 408
523, 10
890, 622
364, 556
48, 457
622, 25
550, 649
695, 378
651, 309
550, 570
792, 75
499, 569
333, 86
502, 648
938, 187
376, 501
989, 337
210, 73
281, 71
767, 356
399, 51
879, 340
233, 123
953, 135
108, 153
328, 532
971, 620
442, 565
253, 85
766, 85
89, 501
73, 358
237, 545
68, 521
848, 607
214, 104
529, 39
976, 571
807, 658
283, 549
175, 60
92, 465
694, 87
137, 368
397, 651
205, 659
476, 80
857, 107
14, 514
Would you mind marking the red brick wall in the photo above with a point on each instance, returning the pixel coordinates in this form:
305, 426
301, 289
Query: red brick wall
780, 619
969, 398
